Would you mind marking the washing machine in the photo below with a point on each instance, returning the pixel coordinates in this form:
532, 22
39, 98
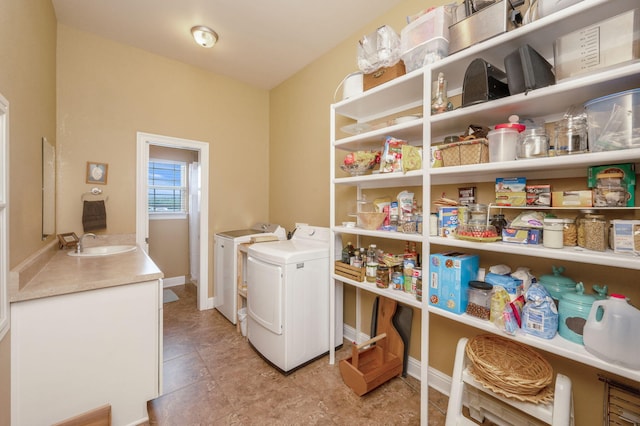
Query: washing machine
226, 264
288, 291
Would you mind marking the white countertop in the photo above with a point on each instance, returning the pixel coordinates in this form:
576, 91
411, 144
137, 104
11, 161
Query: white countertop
64, 274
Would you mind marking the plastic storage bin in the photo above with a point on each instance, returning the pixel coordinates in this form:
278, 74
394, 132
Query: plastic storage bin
614, 121
425, 53
425, 40
433, 24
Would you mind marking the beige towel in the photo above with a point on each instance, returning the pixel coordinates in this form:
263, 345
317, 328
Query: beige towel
94, 215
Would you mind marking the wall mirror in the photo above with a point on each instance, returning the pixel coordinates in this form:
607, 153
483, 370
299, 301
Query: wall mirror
48, 189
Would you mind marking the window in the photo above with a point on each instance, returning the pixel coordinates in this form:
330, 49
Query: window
4, 225
167, 187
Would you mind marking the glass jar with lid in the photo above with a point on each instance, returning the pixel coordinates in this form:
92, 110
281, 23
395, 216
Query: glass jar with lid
533, 142
571, 135
595, 232
477, 214
569, 233
499, 222
582, 214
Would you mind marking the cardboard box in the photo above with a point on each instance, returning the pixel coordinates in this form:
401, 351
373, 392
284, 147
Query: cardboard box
572, 199
538, 195
628, 171
628, 182
511, 191
447, 221
626, 236
383, 75
522, 236
449, 276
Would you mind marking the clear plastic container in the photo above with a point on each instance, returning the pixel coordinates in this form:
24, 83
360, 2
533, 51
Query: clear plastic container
614, 121
479, 304
503, 144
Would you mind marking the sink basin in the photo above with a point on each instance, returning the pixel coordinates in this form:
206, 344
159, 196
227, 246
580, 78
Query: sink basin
103, 251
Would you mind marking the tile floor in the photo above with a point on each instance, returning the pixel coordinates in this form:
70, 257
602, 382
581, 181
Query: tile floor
213, 377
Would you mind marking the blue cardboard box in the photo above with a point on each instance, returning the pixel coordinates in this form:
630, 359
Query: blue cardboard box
449, 276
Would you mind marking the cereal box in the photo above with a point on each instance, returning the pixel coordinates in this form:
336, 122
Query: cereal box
449, 276
447, 221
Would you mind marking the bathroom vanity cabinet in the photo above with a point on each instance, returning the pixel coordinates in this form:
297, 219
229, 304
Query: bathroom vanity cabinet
79, 350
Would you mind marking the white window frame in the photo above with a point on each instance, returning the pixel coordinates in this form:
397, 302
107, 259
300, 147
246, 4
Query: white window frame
172, 215
4, 216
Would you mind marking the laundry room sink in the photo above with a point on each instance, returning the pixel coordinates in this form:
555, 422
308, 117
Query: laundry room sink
98, 251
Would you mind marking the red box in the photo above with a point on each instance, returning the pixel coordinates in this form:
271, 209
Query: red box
538, 195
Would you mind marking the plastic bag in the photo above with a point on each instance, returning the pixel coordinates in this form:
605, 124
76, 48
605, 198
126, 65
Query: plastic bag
539, 315
378, 49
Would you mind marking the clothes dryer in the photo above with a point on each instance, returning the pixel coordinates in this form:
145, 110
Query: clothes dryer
288, 291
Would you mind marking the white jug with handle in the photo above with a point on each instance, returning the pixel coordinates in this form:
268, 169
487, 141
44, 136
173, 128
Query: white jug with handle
611, 331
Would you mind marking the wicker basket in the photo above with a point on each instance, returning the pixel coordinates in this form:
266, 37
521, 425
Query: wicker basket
473, 151
510, 368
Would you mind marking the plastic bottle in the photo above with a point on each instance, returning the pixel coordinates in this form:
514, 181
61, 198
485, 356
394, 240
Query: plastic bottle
372, 264
614, 336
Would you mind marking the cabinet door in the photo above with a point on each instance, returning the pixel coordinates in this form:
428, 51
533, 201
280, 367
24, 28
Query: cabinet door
225, 278
76, 352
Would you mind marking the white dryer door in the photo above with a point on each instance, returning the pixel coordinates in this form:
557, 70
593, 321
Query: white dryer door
265, 286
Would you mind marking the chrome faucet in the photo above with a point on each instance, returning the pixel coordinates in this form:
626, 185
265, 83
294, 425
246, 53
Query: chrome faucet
79, 246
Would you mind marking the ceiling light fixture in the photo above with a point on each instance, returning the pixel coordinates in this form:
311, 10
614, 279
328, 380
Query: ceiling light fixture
204, 36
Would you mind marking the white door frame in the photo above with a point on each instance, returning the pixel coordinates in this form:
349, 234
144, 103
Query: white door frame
144, 140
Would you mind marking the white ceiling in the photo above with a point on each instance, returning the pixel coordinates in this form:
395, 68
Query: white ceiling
262, 42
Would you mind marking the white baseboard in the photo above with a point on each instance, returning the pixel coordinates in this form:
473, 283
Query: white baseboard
174, 281
437, 379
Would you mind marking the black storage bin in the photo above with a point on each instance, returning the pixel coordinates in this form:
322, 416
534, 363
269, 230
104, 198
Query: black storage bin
483, 82
527, 70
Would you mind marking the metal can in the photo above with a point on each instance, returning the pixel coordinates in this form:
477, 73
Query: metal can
419, 289
397, 280
382, 276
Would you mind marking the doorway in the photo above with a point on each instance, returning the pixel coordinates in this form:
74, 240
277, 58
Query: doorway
199, 178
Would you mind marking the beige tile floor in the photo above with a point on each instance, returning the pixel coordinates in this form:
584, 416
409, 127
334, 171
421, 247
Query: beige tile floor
213, 377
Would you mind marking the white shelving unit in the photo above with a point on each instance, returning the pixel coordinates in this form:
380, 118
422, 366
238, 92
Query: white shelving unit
549, 103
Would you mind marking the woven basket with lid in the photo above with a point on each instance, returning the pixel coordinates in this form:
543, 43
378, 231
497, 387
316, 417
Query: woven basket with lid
510, 368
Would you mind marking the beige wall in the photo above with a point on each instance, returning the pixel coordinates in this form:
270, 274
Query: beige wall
108, 91
169, 246
27, 80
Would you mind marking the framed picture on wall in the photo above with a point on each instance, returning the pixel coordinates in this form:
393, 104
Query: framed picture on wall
97, 173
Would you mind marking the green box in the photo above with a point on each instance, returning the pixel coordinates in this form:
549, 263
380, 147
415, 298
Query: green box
628, 181
628, 171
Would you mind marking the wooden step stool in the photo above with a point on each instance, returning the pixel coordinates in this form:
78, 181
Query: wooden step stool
370, 367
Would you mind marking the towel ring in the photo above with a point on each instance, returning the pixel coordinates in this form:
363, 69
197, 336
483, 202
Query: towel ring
94, 191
